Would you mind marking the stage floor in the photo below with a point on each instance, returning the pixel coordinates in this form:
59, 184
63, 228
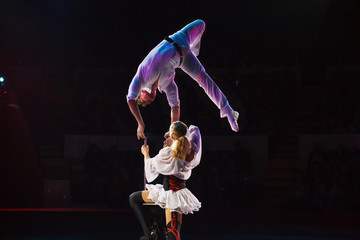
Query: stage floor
93, 224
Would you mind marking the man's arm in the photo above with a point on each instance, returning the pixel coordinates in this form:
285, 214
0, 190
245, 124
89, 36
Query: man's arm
134, 108
172, 95
175, 114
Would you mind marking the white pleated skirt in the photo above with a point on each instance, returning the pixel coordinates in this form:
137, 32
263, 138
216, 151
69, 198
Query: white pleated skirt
181, 201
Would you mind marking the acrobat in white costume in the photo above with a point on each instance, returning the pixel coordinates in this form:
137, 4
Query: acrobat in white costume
180, 50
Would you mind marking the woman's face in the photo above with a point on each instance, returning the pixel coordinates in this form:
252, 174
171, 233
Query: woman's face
168, 142
169, 138
172, 134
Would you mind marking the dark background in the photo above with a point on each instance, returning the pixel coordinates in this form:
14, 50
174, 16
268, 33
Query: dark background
118, 33
68, 64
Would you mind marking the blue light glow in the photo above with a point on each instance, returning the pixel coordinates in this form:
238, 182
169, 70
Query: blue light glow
2, 79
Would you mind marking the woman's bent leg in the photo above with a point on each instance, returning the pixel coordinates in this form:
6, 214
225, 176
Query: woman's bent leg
136, 202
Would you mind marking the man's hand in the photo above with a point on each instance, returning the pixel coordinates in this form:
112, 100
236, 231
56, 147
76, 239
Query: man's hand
134, 108
140, 131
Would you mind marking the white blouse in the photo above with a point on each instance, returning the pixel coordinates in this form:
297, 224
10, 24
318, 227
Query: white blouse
164, 163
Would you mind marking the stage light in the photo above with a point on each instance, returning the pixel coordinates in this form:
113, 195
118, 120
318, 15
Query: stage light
3, 87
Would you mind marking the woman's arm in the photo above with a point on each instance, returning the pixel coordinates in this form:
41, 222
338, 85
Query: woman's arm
145, 151
194, 155
150, 171
190, 156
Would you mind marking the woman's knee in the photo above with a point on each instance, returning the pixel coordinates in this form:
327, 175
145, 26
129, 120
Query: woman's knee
135, 198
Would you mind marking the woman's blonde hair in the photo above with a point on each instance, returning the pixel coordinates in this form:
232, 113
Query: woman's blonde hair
179, 129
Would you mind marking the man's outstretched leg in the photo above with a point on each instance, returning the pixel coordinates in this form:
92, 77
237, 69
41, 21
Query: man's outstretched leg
194, 69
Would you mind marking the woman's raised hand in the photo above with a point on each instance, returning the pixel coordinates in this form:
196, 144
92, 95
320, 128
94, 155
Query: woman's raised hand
145, 150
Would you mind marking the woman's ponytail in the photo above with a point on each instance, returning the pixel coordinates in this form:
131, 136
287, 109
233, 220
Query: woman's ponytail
179, 147
179, 129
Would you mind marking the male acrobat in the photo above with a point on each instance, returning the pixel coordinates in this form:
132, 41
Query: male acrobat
157, 71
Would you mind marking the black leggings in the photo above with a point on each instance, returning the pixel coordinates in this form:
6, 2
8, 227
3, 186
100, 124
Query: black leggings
172, 228
136, 203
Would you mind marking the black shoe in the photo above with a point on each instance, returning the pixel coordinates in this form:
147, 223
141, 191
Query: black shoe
153, 236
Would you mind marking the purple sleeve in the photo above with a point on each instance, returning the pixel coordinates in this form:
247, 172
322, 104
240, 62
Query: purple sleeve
134, 88
194, 137
172, 94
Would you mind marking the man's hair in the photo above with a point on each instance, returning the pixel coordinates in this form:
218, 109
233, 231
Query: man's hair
139, 102
143, 103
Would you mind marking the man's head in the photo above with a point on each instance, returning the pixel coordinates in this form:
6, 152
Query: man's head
146, 97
